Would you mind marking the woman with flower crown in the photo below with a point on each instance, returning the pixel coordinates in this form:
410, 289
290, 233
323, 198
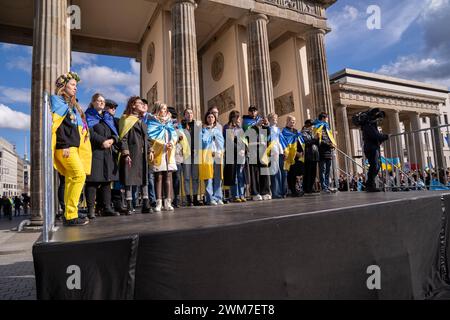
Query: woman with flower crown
71, 145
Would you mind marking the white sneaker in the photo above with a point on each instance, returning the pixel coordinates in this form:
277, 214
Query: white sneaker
257, 198
168, 205
267, 197
220, 203
158, 206
213, 203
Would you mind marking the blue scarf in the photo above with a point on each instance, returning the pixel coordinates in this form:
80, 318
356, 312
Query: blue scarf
93, 118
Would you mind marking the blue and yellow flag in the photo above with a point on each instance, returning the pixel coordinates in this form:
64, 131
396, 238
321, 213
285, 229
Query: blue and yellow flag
160, 134
212, 141
288, 141
318, 127
248, 122
60, 109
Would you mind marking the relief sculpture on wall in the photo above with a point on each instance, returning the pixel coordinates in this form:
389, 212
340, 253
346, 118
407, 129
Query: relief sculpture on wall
284, 104
225, 101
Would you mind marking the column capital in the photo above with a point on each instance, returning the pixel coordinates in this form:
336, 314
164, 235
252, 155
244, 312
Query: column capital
315, 31
253, 16
172, 3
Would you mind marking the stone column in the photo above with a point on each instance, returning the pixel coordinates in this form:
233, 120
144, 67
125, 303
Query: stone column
184, 57
343, 137
438, 140
260, 76
416, 147
319, 82
396, 144
51, 58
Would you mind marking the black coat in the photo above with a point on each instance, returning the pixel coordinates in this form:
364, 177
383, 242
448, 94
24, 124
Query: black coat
372, 138
311, 146
135, 143
229, 170
104, 164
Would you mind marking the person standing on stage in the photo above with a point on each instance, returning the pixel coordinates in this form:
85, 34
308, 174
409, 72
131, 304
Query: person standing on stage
236, 172
104, 136
293, 146
163, 139
210, 168
327, 144
277, 156
71, 146
134, 152
192, 130
373, 139
254, 125
312, 157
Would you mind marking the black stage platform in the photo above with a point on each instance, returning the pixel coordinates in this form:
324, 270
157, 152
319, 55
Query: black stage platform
316, 247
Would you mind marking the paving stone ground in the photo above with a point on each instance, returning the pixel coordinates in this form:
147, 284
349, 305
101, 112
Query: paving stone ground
17, 280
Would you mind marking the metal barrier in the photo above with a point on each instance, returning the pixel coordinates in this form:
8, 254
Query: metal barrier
412, 160
47, 169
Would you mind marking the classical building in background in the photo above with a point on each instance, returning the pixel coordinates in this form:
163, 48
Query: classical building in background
8, 169
409, 105
228, 53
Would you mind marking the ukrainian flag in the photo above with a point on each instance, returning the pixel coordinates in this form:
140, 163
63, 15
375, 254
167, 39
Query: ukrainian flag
158, 133
318, 127
389, 163
288, 141
248, 122
59, 109
212, 141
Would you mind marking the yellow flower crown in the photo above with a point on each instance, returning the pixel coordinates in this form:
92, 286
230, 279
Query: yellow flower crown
65, 78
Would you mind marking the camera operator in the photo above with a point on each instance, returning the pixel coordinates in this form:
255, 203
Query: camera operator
373, 139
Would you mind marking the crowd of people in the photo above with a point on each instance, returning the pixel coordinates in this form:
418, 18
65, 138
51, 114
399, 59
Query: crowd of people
161, 159
14, 206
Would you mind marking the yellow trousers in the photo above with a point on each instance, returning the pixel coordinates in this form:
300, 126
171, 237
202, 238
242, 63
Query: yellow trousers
75, 178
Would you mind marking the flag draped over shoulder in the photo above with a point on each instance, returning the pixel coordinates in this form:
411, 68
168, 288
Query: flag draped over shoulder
212, 142
248, 122
160, 134
288, 141
93, 118
318, 127
60, 109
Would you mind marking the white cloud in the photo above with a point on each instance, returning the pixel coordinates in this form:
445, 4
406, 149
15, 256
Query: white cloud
81, 58
349, 26
114, 84
12, 119
135, 66
20, 63
15, 95
412, 67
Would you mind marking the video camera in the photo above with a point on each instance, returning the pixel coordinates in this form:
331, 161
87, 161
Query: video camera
364, 117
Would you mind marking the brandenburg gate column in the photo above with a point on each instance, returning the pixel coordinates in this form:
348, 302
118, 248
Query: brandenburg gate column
438, 142
184, 57
415, 142
319, 82
260, 76
343, 137
51, 58
396, 143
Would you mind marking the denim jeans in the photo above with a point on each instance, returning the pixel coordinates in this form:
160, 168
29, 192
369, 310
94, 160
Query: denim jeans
277, 181
214, 186
325, 167
190, 173
151, 186
238, 189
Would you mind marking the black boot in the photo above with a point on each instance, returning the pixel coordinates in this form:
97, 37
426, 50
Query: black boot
188, 201
129, 208
195, 201
91, 213
176, 202
146, 208
109, 212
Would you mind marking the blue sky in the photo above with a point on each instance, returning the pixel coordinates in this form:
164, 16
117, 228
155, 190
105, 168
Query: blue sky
413, 43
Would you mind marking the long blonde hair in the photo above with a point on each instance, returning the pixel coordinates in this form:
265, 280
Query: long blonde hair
71, 101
